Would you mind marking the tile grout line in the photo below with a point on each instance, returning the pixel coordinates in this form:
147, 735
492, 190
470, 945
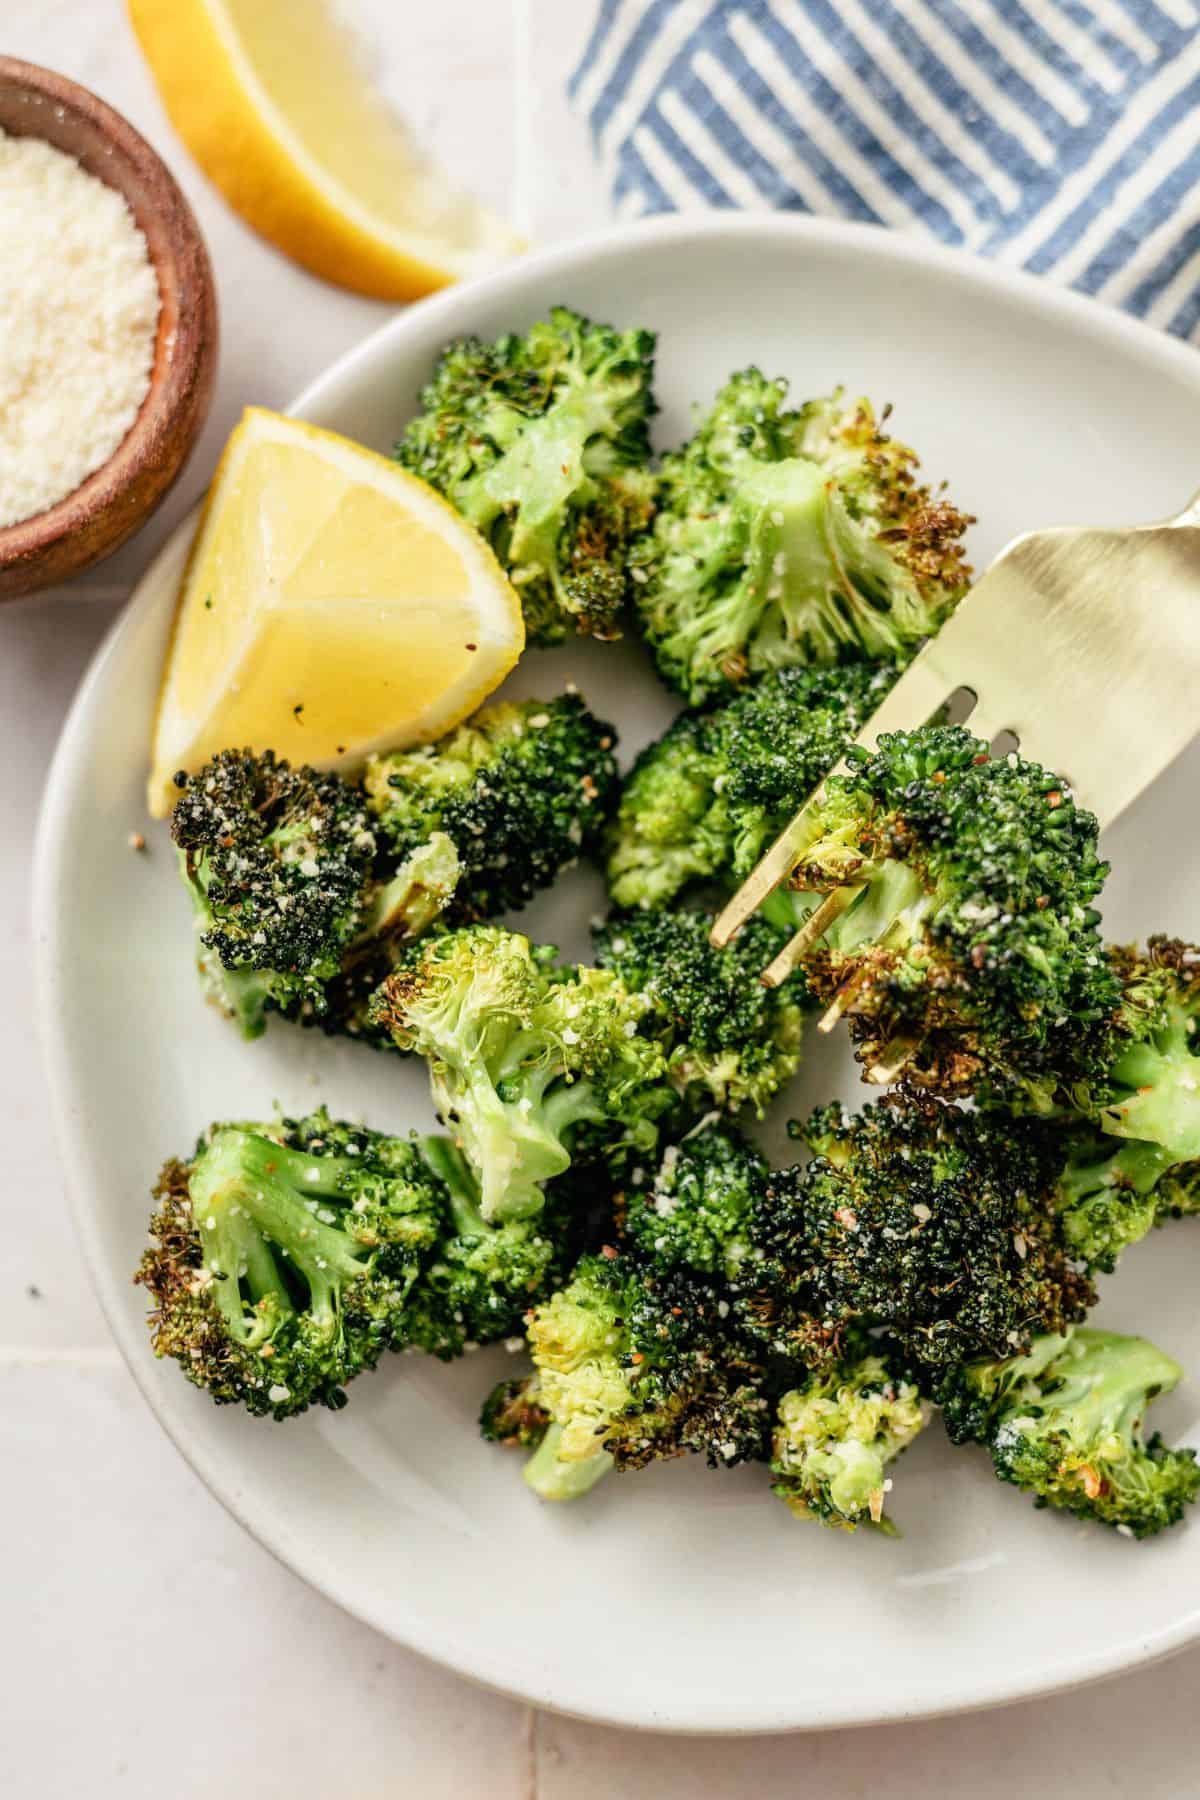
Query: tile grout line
531, 1754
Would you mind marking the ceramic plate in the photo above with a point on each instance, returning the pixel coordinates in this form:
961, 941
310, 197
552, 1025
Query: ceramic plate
677, 1598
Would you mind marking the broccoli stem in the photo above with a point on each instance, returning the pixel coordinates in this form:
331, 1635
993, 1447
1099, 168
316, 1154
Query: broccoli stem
248, 1192
554, 1478
449, 1164
1163, 1076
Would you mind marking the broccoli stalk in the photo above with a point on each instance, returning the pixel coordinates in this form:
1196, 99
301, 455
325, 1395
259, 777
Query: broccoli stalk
542, 443
791, 538
836, 1435
1151, 1087
1064, 1422
524, 1058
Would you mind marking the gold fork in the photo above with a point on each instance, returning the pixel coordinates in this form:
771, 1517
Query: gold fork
1082, 646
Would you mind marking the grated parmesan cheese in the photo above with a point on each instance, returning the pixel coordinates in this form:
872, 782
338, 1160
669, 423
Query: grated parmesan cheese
79, 310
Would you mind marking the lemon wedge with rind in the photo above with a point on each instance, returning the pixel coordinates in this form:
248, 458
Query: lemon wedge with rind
332, 605
272, 101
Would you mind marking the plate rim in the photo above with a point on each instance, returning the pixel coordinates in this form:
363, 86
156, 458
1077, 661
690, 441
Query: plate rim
445, 1647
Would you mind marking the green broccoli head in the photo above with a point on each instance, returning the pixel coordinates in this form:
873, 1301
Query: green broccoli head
934, 1222
789, 538
521, 791
291, 1256
1107, 1196
528, 1061
706, 801
542, 442
633, 1367
729, 1041
968, 953
1064, 1422
278, 864
285, 1258
695, 1215
1150, 1085
836, 1435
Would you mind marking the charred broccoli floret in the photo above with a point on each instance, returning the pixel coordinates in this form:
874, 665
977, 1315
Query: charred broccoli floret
696, 1212
837, 1433
1064, 1422
542, 442
934, 1222
1107, 1196
278, 862
527, 1059
521, 790
707, 800
786, 538
728, 1040
513, 1414
633, 1367
289, 1257
285, 1257
967, 948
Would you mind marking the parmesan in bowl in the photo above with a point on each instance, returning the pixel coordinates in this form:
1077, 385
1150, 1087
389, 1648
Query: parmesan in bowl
79, 308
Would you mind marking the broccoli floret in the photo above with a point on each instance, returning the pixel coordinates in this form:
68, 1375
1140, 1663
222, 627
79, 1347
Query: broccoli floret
479, 1281
696, 1213
521, 789
1064, 1422
1107, 1196
291, 1256
729, 1041
527, 1059
707, 800
968, 949
633, 1367
791, 538
513, 1414
278, 864
285, 1257
1149, 1086
542, 442
934, 1222
836, 1435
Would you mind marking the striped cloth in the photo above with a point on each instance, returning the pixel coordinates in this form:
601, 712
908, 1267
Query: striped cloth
1059, 135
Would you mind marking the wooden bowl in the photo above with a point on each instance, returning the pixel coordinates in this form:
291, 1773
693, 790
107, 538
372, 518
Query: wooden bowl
119, 496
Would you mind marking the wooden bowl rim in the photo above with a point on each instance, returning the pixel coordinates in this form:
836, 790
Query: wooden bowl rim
177, 242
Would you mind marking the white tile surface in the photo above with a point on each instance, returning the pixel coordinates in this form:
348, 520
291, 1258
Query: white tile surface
149, 1647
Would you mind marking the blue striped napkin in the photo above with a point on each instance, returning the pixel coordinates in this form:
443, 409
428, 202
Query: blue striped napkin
1059, 135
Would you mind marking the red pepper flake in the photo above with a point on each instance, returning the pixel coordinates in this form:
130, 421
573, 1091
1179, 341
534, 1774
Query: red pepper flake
939, 775
979, 955
1054, 797
607, 1250
637, 1357
471, 646
981, 759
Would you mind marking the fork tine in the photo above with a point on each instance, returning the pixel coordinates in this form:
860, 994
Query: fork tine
815, 926
774, 868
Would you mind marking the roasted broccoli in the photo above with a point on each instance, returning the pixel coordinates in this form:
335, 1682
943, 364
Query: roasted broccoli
836, 1434
542, 442
631, 1367
279, 865
521, 790
786, 538
695, 1214
932, 1221
1107, 1196
1144, 1078
706, 801
285, 1257
528, 1060
1064, 1422
966, 951
289, 1257
728, 1040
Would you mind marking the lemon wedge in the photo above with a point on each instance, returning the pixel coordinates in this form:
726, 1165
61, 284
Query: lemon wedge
270, 98
332, 605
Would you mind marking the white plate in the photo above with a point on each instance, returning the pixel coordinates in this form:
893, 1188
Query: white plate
677, 1598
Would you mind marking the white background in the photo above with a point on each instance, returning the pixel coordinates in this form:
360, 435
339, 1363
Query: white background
147, 1647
